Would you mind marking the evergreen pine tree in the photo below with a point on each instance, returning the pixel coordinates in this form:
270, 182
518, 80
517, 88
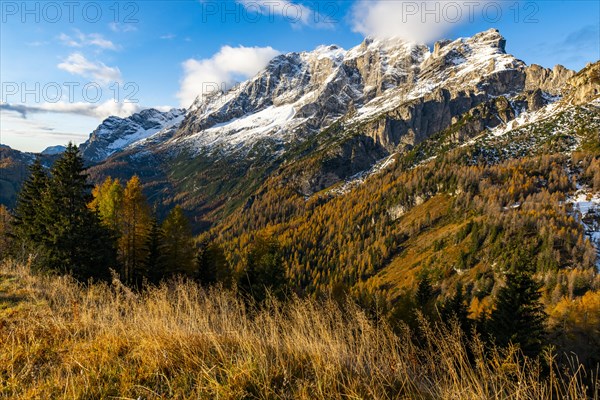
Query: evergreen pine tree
212, 265
424, 292
518, 317
74, 239
28, 228
424, 297
153, 267
178, 251
264, 270
455, 308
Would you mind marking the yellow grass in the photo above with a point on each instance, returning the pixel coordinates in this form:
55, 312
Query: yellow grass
59, 339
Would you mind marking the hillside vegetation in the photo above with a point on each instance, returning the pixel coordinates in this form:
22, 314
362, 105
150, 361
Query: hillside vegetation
62, 339
318, 278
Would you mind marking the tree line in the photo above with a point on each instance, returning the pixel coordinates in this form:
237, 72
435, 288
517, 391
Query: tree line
72, 227
88, 231
516, 319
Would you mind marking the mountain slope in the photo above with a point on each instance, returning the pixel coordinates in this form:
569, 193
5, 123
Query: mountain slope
469, 202
315, 120
377, 166
346, 110
14, 169
116, 134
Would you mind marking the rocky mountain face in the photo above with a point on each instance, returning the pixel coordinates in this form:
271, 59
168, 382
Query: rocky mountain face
116, 134
394, 92
583, 87
53, 150
299, 94
325, 116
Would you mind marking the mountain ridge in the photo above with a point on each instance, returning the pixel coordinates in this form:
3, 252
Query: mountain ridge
299, 94
346, 109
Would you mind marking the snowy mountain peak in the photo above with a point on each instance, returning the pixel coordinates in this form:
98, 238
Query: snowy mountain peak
491, 38
332, 52
53, 150
300, 93
116, 134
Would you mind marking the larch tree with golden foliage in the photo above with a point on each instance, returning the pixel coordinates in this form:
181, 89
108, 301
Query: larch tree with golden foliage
136, 222
108, 202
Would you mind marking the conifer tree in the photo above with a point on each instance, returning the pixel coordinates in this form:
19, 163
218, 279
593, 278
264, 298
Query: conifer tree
424, 292
178, 251
153, 267
135, 225
74, 239
28, 227
424, 297
518, 317
264, 270
212, 265
455, 308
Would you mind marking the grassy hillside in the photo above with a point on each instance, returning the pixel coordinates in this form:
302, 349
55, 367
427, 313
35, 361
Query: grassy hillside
59, 339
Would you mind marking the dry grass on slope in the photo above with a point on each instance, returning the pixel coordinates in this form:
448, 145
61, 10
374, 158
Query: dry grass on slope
59, 339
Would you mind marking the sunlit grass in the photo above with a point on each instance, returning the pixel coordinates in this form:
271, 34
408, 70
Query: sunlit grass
59, 339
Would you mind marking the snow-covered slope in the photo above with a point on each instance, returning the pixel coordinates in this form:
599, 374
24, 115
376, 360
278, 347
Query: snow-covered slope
116, 134
300, 93
348, 108
53, 150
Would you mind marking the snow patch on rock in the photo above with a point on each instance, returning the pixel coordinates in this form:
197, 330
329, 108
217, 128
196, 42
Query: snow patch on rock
586, 206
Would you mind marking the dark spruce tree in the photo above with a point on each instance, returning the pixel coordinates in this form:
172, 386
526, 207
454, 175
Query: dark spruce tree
153, 267
74, 239
455, 309
424, 306
213, 266
178, 250
518, 317
424, 294
425, 297
28, 228
264, 271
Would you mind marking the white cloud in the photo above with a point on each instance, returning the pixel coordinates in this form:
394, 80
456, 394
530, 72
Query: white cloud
295, 13
222, 70
33, 128
80, 39
117, 27
422, 22
168, 36
35, 134
77, 64
37, 43
97, 110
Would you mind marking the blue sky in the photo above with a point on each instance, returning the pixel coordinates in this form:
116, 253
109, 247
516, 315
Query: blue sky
64, 66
